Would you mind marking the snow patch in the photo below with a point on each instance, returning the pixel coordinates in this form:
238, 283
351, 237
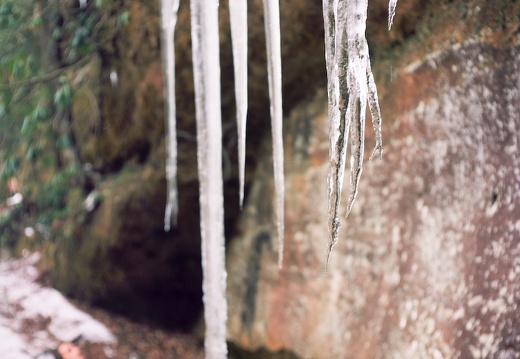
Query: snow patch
35, 318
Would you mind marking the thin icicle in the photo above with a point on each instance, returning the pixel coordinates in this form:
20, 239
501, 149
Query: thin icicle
375, 112
169, 10
339, 123
350, 85
206, 69
357, 131
238, 15
274, 67
392, 4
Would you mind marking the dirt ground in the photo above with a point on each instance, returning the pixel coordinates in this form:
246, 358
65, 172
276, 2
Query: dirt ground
139, 341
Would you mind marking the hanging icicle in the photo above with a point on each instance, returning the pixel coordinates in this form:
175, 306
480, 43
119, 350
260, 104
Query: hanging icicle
350, 85
274, 67
392, 4
238, 16
169, 10
206, 69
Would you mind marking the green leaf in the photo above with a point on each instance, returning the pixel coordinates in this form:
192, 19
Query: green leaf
56, 33
3, 109
123, 19
39, 113
32, 65
37, 21
76, 40
91, 21
63, 96
64, 142
26, 126
10, 168
67, 92
12, 20
58, 96
71, 170
73, 55
18, 68
31, 153
6, 9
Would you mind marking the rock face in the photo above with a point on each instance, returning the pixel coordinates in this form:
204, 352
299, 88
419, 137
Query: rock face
121, 257
427, 265
428, 261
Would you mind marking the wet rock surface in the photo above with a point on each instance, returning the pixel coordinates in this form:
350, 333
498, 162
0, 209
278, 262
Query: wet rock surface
427, 263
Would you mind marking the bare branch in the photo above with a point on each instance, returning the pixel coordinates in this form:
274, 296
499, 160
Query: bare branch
46, 77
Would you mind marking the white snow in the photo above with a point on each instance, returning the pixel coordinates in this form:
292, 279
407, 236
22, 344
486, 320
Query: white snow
238, 18
114, 79
17, 198
274, 67
169, 10
28, 231
22, 302
206, 70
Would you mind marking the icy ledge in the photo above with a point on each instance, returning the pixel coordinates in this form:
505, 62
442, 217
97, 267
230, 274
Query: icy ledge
35, 318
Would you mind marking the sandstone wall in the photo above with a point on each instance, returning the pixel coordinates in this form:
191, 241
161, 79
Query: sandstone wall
427, 264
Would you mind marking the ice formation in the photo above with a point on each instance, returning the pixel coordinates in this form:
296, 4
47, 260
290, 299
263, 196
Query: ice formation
206, 72
238, 17
391, 12
350, 86
169, 10
274, 67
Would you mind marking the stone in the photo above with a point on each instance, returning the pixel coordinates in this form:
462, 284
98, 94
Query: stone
427, 262
426, 259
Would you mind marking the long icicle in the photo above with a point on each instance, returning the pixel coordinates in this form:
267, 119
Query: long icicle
339, 122
238, 16
206, 69
169, 9
375, 112
274, 67
351, 86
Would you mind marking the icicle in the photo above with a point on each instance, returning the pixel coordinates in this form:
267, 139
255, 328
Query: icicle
392, 4
274, 67
350, 85
339, 123
375, 112
169, 10
358, 110
238, 15
206, 69
333, 206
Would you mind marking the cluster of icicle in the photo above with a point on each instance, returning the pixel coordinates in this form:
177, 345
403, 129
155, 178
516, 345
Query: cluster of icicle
206, 70
350, 85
